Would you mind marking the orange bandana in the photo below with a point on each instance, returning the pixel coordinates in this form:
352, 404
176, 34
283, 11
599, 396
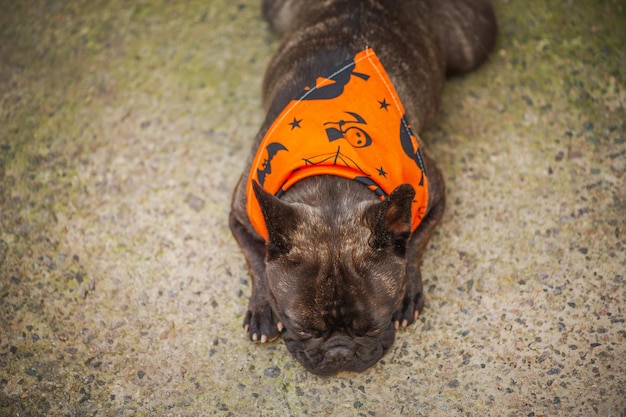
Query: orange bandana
350, 124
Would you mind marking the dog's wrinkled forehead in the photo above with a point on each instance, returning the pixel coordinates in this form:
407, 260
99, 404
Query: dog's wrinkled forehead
341, 278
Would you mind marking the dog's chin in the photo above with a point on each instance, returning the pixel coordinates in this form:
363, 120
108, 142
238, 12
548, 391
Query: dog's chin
329, 355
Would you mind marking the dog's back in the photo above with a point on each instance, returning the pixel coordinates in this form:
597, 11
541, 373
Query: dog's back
466, 28
434, 37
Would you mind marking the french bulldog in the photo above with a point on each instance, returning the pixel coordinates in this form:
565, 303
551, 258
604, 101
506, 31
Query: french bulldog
334, 255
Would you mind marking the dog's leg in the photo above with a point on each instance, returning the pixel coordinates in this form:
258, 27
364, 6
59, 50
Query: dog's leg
260, 322
279, 13
467, 31
414, 298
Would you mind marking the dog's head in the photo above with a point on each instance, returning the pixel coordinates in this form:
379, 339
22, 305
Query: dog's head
336, 276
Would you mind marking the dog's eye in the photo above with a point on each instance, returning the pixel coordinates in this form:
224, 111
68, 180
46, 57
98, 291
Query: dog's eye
301, 334
374, 332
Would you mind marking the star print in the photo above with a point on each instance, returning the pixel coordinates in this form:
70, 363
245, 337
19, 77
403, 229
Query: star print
295, 123
383, 104
382, 172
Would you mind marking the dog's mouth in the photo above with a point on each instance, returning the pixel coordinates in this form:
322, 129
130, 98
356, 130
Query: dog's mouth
340, 353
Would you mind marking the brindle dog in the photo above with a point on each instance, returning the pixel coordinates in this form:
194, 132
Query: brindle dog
340, 271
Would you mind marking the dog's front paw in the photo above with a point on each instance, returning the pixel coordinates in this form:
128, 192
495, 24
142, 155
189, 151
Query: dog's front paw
412, 306
261, 324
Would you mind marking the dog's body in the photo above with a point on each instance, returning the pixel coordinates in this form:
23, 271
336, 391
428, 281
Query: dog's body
340, 269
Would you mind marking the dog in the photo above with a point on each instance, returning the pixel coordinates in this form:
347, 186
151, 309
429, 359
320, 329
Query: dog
339, 197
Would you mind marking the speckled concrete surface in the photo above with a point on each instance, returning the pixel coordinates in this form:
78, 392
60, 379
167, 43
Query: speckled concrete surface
123, 129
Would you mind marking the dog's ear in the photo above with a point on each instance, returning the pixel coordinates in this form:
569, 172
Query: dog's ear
390, 220
280, 220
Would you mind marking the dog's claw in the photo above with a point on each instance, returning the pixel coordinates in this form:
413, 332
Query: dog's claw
263, 339
409, 312
280, 326
260, 323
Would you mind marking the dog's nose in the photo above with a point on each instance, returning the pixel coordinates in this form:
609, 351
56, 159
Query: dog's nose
338, 353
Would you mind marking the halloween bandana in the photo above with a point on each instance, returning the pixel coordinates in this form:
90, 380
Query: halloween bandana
351, 124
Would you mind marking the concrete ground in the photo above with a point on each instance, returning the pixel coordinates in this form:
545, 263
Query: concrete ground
123, 129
